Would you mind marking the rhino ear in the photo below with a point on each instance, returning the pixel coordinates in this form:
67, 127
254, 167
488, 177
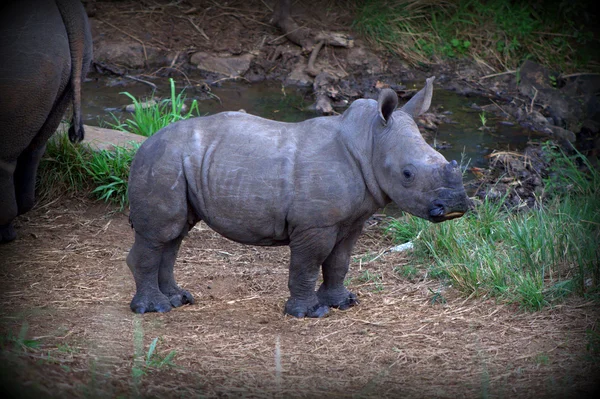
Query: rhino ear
421, 101
387, 103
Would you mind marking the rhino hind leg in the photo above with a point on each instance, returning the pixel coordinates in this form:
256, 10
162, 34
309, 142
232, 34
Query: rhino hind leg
332, 292
144, 261
8, 202
166, 280
25, 175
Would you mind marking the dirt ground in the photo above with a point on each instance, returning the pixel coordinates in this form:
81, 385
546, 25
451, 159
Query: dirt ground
66, 329
65, 286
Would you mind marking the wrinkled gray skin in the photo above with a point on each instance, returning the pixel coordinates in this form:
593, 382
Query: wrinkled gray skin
45, 52
309, 185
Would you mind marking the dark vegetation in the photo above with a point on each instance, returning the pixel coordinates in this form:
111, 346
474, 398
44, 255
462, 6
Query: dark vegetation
558, 34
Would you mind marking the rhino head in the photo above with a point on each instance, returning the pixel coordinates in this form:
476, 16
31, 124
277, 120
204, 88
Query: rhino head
407, 169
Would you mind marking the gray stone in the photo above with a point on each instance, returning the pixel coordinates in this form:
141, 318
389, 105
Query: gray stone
131, 55
143, 105
561, 133
107, 139
361, 58
533, 77
298, 76
230, 66
536, 117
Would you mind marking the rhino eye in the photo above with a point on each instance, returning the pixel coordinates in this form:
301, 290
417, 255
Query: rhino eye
408, 175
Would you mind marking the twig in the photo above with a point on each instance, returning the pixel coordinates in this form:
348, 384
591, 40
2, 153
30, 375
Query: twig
268, 6
533, 99
310, 69
572, 75
496, 104
199, 29
230, 78
497, 74
369, 322
118, 73
141, 81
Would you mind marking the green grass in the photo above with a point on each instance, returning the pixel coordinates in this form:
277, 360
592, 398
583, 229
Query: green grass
557, 34
148, 119
103, 174
19, 343
532, 258
77, 168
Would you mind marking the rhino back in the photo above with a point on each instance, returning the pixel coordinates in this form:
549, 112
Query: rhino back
255, 180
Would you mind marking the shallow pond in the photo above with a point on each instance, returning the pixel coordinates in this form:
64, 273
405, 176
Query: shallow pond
461, 140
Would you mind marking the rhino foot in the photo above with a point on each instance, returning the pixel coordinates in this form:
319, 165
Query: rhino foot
178, 297
150, 303
299, 308
7, 233
339, 298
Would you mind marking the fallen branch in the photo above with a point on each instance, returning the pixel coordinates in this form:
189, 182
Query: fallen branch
497, 74
124, 75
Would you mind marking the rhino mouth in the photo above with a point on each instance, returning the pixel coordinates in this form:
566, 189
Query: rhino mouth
453, 215
439, 213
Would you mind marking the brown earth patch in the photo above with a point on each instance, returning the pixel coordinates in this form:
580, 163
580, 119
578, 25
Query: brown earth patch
65, 280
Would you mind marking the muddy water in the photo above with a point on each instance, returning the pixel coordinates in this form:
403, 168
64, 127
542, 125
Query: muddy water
461, 140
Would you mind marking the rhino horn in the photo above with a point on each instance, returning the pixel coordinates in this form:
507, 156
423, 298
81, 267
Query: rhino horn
421, 101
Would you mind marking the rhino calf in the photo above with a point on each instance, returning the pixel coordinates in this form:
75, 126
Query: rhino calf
310, 185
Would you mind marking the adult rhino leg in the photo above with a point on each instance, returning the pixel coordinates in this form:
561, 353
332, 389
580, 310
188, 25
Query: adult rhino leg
25, 175
29, 160
333, 292
308, 251
166, 280
144, 261
8, 202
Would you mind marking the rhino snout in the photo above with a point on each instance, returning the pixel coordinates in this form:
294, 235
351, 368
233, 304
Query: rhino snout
450, 206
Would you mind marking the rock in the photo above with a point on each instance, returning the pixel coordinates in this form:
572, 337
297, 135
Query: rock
230, 66
361, 58
563, 134
323, 105
536, 84
144, 105
298, 76
130, 55
106, 139
534, 77
538, 118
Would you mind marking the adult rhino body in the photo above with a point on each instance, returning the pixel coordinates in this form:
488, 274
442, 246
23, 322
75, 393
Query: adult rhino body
45, 52
309, 185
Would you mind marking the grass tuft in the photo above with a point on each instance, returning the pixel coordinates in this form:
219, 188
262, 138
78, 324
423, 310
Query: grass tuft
533, 258
149, 117
77, 168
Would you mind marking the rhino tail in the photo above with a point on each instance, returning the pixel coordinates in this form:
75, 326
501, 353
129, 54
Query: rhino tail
80, 45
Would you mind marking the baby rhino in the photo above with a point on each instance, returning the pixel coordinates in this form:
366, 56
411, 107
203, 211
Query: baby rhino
310, 185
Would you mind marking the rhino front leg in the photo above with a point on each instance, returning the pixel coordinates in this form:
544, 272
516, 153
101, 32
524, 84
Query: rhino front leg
144, 261
333, 292
166, 280
308, 251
